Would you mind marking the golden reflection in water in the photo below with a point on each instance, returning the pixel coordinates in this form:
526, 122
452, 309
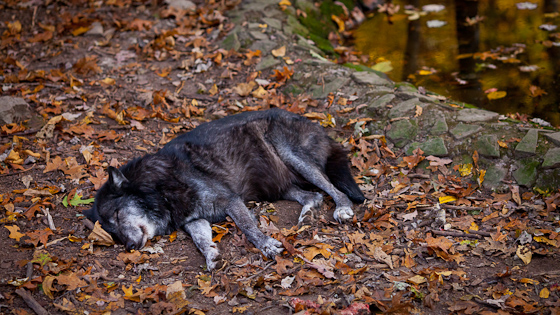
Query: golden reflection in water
412, 45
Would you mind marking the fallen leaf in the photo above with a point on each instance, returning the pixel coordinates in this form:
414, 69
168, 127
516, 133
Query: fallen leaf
14, 232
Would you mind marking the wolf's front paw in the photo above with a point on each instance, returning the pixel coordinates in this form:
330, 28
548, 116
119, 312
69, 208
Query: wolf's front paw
213, 258
343, 214
271, 247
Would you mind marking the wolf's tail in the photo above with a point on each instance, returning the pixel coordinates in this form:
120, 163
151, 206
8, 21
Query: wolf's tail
338, 171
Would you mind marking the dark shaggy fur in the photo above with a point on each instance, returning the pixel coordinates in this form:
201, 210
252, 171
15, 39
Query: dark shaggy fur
208, 173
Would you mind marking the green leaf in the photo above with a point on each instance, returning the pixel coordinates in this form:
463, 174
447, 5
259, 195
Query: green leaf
76, 201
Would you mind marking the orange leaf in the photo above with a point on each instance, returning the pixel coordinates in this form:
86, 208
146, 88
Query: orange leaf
14, 232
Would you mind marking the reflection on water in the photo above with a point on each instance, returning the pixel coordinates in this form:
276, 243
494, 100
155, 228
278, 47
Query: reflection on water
501, 45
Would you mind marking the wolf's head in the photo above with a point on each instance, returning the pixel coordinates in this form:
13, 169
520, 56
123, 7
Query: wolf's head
123, 211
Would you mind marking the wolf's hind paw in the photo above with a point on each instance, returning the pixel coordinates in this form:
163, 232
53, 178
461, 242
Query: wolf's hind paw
343, 213
271, 247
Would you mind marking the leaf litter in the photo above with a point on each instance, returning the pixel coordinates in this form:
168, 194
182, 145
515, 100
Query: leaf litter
429, 240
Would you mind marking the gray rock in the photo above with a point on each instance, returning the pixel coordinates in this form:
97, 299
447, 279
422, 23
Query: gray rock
370, 78
548, 179
405, 108
13, 109
433, 146
476, 115
528, 145
488, 146
463, 130
320, 91
402, 132
231, 42
440, 126
95, 30
495, 174
552, 158
272, 22
381, 102
181, 4
406, 88
554, 137
258, 35
267, 62
265, 46
526, 174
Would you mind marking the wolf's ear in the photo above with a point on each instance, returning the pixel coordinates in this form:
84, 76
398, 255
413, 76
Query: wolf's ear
116, 177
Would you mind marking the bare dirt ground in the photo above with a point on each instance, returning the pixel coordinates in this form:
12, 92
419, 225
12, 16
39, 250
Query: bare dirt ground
152, 72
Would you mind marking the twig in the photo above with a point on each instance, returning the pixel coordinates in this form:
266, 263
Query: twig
88, 223
480, 233
451, 207
52, 242
49, 219
18, 172
455, 234
421, 176
31, 302
260, 272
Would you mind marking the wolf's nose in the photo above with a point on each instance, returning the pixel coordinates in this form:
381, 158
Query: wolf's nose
130, 246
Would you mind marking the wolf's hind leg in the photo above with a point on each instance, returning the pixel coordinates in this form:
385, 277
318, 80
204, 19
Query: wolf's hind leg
309, 200
201, 234
244, 220
313, 173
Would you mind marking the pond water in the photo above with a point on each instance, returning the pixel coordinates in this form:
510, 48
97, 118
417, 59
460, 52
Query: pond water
500, 55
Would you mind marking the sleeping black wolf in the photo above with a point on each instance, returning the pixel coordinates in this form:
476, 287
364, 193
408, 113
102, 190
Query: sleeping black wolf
208, 173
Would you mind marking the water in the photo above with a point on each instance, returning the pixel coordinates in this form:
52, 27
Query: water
505, 52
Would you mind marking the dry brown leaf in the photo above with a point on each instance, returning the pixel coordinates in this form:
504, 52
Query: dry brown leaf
100, 237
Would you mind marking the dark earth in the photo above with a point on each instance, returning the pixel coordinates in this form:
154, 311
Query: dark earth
142, 80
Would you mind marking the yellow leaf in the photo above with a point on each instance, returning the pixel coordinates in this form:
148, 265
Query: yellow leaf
424, 72
80, 30
127, 291
213, 90
108, 81
529, 281
544, 293
481, 177
502, 144
418, 111
14, 232
314, 115
542, 239
474, 226
465, 169
416, 279
496, 95
172, 237
524, 253
139, 279
339, 22
446, 199
285, 2
259, 93
280, 52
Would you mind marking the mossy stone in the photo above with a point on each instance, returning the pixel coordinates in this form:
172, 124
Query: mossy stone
434, 146
526, 174
402, 132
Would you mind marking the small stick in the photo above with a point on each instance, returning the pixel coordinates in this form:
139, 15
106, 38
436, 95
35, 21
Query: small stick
52, 242
455, 234
461, 207
88, 223
31, 302
49, 219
